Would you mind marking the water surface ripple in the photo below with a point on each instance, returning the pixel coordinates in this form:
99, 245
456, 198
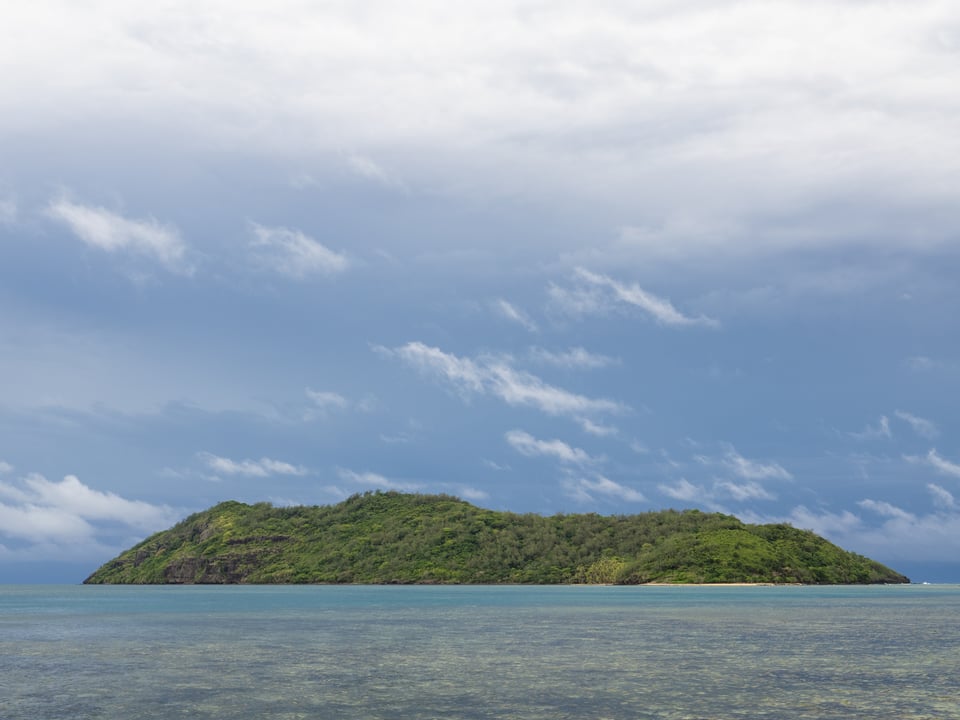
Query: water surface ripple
677, 653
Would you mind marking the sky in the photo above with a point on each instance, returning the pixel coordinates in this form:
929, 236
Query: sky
547, 257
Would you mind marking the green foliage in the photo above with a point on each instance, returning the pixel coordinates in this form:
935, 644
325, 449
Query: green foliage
390, 537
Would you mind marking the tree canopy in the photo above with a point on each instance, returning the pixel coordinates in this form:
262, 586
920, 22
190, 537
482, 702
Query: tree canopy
391, 537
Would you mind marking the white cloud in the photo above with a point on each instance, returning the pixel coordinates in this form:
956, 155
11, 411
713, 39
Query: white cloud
828, 524
938, 463
745, 491
885, 509
639, 447
871, 432
753, 469
592, 428
364, 167
922, 363
371, 479
5, 468
525, 444
586, 489
495, 376
516, 387
112, 233
941, 497
921, 426
579, 300
899, 536
8, 211
514, 314
71, 515
262, 468
660, 309
294, 254
44, 525
470, 493
325, 402
464, 374
324, 399
575, 358
683, 490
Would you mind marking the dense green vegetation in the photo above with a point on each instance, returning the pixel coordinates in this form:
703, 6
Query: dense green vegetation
401, 538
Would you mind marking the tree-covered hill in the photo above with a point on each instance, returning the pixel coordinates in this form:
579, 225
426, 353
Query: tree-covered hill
389, 537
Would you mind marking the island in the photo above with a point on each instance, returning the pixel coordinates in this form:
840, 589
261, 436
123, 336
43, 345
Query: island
403, 538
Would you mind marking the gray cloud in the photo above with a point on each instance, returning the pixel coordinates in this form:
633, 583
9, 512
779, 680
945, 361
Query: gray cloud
640, 111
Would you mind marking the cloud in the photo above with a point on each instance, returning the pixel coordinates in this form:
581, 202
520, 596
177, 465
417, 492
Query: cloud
941, 497
745, 491
5, 468
262, 468
922, 363
899, 536
753, 469
578, 300
885, 509
575, 358
660, 309
828, 524
924, 428
592, 428
871, 432
370, 479
746, 468
880, 529
470, 493
686, 491
938, 463
466, 376
514, 314
362, 166
294, 254
495, 376
8, 211
324, 399
525, 444
71, 515
640, 113
112, 233
325, 402
586, 489
683, 490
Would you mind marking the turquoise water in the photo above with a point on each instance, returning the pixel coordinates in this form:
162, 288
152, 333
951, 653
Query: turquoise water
347, 652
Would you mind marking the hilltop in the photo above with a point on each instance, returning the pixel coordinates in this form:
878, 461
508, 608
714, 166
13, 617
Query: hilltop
390, 537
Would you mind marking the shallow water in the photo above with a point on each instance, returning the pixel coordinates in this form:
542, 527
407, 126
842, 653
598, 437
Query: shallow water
479, 652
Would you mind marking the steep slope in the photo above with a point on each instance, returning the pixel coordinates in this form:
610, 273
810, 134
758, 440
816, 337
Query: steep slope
403, 538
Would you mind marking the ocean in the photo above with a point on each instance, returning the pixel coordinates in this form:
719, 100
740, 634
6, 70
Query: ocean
399, 652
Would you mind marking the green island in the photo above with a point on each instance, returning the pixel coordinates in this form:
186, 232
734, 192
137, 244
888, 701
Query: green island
392, 537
